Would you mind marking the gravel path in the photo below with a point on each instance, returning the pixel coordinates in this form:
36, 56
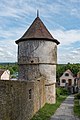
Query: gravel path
65, 111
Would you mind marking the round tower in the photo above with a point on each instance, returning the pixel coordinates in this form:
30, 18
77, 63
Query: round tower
37, 56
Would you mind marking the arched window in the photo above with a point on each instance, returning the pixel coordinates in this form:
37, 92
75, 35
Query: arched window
66, 74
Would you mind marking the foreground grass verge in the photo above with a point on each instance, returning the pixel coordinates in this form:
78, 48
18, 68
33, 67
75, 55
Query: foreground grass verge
48, 110
76, 105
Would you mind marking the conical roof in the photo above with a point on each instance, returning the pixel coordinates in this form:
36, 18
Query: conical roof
37, 31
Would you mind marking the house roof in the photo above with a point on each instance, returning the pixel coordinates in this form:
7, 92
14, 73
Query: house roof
68, 71
37, 31
1, 71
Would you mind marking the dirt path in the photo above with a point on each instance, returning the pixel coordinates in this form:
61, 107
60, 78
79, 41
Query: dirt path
65, 111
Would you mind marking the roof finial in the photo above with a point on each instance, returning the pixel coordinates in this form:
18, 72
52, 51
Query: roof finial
37, 13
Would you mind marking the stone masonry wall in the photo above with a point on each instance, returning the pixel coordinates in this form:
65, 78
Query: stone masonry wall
39, 58
39, 93
19, 100
36, 57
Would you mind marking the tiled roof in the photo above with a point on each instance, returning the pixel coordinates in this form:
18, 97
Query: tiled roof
37, 30
1, 72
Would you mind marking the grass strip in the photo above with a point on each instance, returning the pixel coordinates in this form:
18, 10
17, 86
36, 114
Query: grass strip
76, 107
48, 110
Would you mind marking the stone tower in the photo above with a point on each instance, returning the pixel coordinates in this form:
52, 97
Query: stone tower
37, 56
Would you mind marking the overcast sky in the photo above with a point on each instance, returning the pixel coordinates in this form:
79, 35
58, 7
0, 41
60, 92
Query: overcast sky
61, 17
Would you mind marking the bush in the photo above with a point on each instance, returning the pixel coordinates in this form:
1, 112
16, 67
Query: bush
77, 105
61, 91
77, 96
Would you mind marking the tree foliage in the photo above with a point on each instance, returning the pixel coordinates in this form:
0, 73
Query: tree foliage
13, 67
61, 68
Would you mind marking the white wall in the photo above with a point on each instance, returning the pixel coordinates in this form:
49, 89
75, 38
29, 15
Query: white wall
66, 78
5, 75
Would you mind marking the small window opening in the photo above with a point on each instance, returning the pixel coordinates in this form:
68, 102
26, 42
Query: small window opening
32, 61
63, 81
66, 74
30, 93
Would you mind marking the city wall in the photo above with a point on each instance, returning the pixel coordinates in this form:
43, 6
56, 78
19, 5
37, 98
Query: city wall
19, 100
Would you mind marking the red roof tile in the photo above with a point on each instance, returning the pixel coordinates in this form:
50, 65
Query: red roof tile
37, 30
1, 72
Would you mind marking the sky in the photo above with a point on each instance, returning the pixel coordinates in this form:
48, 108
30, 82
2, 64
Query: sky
61, 17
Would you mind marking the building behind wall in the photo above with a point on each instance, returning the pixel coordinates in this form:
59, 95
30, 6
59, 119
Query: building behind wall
4, 74
68, 81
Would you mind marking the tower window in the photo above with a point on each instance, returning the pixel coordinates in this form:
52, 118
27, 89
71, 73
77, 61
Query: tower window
32, 61
30, 94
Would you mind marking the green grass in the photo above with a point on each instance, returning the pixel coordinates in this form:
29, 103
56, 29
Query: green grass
76, 106
48, 110
61, 91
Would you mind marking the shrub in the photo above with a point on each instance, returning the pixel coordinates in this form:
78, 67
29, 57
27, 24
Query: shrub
77, 105
61, 91
77, 96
